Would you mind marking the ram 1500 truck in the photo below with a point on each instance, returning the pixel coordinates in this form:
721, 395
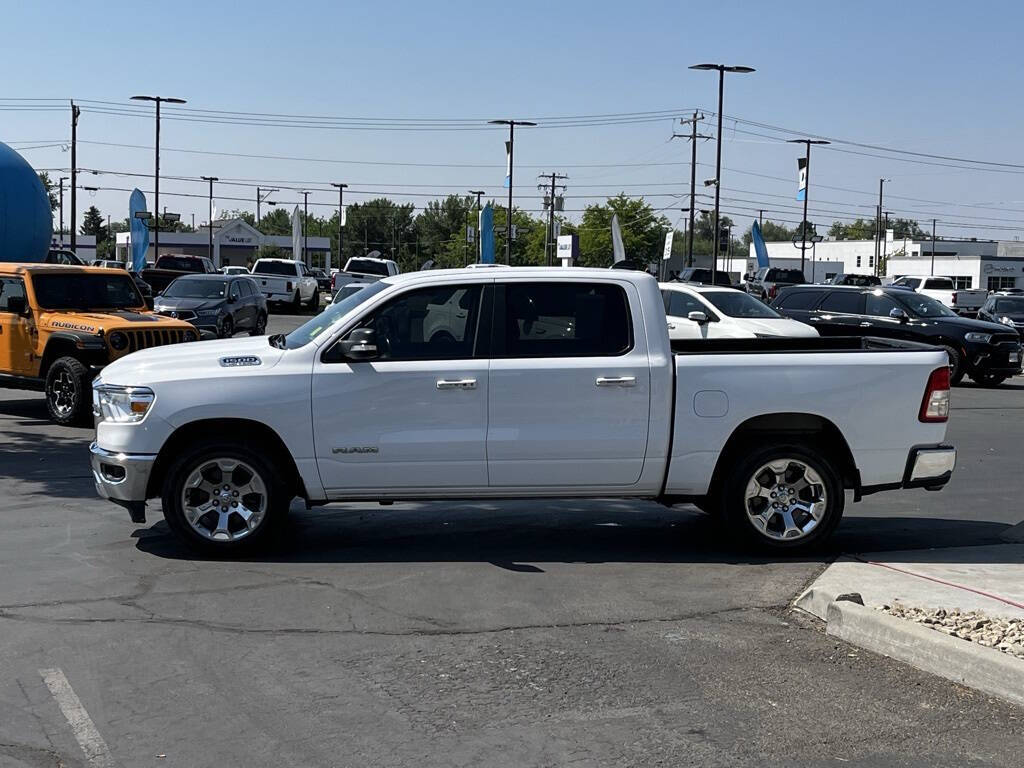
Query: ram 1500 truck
284, 281
171, 266
516, 383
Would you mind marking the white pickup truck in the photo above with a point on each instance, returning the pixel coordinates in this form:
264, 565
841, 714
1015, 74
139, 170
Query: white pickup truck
287, 282
963, 301
363, 269
528, 383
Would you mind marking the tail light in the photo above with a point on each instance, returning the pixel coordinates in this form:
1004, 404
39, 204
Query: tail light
288, 286
773, 292
954, 298
935, 404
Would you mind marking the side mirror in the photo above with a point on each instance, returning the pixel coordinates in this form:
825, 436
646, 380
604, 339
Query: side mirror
16, 305
698, 317
898, 314
361, 344
232, 299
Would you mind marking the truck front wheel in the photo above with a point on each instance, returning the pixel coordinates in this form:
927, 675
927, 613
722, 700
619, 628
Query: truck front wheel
68, 392
783, 498
223, 498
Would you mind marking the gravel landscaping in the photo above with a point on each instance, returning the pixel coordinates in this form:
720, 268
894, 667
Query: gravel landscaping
1006, 635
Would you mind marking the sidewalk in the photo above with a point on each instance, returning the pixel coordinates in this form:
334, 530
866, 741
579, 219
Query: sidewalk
986, 579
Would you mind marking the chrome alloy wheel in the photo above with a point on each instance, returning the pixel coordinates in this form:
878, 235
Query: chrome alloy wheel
785, 499
62, 391
224, 499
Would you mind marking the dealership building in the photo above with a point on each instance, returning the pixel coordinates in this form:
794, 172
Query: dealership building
235, 243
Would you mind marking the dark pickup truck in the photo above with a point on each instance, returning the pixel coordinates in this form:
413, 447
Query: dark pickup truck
172, 266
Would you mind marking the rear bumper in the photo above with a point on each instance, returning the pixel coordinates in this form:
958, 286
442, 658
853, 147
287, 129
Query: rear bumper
122, 478
928, 466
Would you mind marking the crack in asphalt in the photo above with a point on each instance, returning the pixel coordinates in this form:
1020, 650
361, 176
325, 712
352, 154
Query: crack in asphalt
419, 632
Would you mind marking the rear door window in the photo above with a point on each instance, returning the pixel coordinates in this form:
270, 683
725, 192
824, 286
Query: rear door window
799, 300
10, 287
879, 305
843, 302
556, 319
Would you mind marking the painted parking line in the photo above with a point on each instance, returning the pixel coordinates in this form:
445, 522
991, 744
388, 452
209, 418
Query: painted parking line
97, 754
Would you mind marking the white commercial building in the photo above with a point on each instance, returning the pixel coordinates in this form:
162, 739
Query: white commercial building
85, 245
235, 243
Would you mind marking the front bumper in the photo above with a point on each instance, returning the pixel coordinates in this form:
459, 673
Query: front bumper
1003, 358
122, 478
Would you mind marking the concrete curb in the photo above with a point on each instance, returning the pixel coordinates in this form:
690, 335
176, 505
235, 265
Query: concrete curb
964, 662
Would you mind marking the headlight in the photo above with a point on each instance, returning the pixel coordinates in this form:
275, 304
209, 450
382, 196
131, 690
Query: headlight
191, 336
1005, 321
978, 338
122, 405
118, 341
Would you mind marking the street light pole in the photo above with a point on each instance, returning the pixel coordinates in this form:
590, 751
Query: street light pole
209, 252
807, 192
75, 112
476, 244
305, 225
933, 247
511, 149
156, 173
721, 69
61, 183
341, 214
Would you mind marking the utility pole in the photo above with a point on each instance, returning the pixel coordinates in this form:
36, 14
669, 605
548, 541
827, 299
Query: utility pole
760, 217
511, 148
806, 192
61, 199
476, 240
305, 224
885, 243
261, 195
341, 218
550, 234
75, 112
933, 247
878, 221
209, 252
693, 173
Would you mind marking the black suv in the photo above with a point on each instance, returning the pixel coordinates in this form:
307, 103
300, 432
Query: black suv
1007, 310
987, 352
703, 276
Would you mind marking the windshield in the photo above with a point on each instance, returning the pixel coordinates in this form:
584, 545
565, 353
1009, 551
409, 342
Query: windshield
275, 268
1014, 306
939, 284
924, 306
305, 333
736, 304
367, 267
196, 289
86, 291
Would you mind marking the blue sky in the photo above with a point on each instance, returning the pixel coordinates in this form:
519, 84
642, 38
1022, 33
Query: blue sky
933, 77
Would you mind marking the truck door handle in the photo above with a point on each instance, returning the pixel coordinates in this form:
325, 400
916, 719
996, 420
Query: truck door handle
616, 381
456, 383
671, 326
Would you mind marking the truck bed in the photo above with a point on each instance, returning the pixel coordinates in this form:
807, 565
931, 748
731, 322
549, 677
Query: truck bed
781, 344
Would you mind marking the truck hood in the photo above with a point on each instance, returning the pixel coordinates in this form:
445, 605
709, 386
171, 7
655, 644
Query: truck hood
195, 360
94, 322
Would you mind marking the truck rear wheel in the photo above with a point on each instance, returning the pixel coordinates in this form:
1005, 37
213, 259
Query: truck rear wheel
956, 365
783, 498
68, 392
224, 498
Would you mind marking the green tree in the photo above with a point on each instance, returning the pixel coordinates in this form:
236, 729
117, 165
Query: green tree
93, 224
864, 229
277, 222
50, 188
441, 229
772, 233
643, 231
386, 226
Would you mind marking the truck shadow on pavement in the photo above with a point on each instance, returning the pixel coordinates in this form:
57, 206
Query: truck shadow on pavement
521, 536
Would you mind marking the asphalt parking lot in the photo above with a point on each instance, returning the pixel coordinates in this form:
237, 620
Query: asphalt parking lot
520, 634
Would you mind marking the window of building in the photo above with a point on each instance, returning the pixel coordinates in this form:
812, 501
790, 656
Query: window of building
565, 320
858, 259
962, 282
1001, 283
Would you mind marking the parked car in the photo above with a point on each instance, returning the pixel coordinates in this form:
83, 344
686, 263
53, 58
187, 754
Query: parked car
1008, 310
109, 264
59, 325
703, 276
322, 280
235, 270
348, 289
364, 268
63, 256
144, 288
987, 352
170, 267
220, 304
964, 301
558, 382
861, 281
284, 281
705, 312
767, 281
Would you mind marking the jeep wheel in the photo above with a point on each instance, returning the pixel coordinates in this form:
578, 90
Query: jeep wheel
223, 498
68, 392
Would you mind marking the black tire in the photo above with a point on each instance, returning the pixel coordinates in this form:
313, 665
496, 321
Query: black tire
739, 517
314, 301
989, 379
956, 365
261, 325
227, 328
273, 510
297, 302
68, 392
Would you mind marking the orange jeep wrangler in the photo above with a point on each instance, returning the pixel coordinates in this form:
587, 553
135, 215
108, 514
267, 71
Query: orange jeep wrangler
60, 324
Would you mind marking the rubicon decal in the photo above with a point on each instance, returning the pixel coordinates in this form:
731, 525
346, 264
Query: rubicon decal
73, 326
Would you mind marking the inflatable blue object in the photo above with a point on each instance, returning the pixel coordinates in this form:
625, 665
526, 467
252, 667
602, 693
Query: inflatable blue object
26, 221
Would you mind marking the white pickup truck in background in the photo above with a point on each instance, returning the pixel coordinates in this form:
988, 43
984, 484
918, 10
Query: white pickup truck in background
365, 269
963, 301
285, 281
516, 383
